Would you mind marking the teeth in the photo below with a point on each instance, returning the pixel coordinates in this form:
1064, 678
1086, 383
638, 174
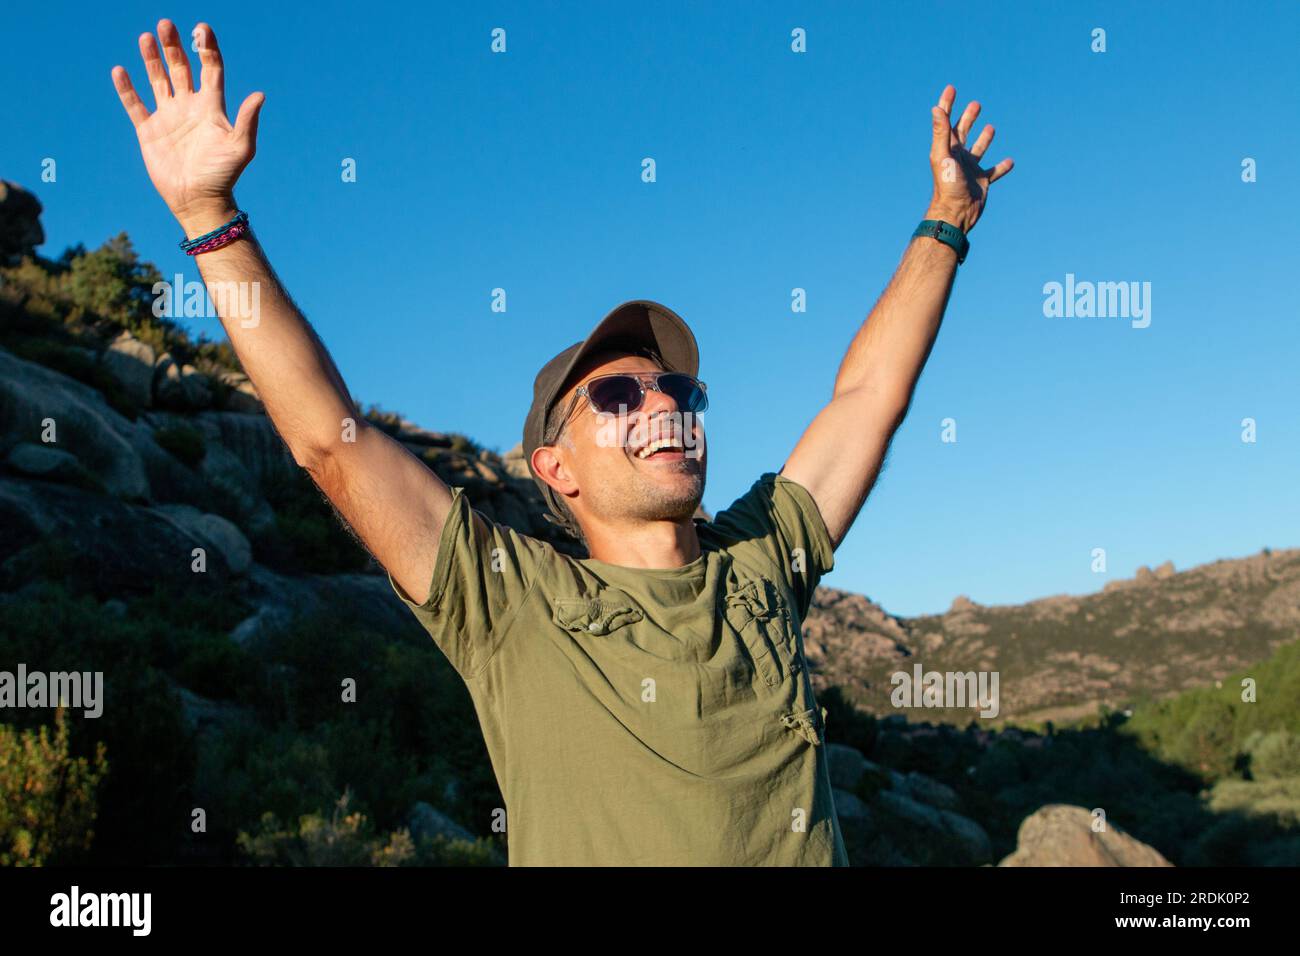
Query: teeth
654, 446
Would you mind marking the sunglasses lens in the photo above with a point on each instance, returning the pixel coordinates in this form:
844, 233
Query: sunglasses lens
615, 392
685, 391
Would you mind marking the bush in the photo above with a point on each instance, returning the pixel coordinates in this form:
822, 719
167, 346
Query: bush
47, 796
347, 838
1273, 755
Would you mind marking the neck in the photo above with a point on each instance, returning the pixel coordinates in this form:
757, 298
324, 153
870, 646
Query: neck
646, 544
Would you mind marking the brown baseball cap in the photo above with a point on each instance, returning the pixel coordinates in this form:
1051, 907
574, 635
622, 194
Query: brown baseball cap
631, 327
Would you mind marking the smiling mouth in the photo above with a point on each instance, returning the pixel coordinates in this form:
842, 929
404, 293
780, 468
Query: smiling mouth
664, 449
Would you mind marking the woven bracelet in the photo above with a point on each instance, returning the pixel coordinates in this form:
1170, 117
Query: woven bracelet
222, 235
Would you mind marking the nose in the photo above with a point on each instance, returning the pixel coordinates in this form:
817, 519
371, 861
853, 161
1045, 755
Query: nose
657, 401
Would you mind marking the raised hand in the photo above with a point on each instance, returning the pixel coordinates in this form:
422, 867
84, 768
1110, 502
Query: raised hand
191, 151
961, 185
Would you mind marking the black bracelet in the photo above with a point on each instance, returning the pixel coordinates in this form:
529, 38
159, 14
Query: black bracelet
946, 233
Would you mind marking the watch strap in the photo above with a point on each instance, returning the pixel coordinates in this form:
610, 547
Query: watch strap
946, 233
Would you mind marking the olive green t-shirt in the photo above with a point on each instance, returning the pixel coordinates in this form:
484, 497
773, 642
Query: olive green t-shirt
647, 717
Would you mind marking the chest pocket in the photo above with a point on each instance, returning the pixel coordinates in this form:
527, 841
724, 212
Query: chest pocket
758, 614
594, 615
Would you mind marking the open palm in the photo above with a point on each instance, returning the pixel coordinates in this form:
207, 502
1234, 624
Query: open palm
192, 152
961, 184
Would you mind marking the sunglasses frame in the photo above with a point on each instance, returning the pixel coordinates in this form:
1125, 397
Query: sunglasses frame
641, 378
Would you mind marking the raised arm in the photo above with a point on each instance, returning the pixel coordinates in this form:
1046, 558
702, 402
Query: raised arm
840, 455
395, 504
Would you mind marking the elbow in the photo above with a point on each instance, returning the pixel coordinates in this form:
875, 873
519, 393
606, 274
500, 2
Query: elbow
315, 455
318, 453
310, 458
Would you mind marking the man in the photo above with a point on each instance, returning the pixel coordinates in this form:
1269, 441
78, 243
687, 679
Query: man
649, 704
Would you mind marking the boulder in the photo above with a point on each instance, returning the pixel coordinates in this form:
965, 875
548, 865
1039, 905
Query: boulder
243, 498
847, 766
181, 387
111, 548
425, 822
47, 463
131, 362
338, 600
945, 837
930, 791
241, 395
1063, 835
243, 398
214, 531
253, 440
105, 443
514, 463
203, 716
20, 223
850, 807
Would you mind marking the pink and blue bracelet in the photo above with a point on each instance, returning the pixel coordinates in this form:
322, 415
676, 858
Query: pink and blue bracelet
221, 236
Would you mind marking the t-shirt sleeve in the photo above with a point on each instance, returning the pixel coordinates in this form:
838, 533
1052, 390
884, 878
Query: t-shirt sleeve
778, 521
481, 576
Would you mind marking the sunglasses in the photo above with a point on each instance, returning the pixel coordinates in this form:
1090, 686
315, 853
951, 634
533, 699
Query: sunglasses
625, 392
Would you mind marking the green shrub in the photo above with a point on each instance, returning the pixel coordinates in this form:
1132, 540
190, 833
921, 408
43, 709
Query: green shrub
47, 796
1273, 755
347, 838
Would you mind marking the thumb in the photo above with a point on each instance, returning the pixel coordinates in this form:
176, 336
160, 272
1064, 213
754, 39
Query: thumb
941, 125
246, 119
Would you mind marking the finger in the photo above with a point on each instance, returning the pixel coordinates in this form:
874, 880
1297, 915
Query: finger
131, 101
982, 144
178, 64
941, 135
212, 73
246, 121
153, 65
967, 120
1001, 169
947, 98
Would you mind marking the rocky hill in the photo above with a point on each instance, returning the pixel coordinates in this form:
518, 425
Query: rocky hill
1063, 657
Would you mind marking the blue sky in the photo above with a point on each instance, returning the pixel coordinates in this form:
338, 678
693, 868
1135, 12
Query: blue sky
775, 170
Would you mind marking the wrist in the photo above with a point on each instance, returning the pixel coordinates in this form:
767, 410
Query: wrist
945, 233
196, 219
950, 214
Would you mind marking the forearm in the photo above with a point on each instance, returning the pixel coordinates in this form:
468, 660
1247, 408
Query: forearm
296, 379
886, 356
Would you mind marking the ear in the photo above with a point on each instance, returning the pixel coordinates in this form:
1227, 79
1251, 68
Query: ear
548, 464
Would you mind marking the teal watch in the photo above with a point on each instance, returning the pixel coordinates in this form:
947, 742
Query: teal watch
947, 234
